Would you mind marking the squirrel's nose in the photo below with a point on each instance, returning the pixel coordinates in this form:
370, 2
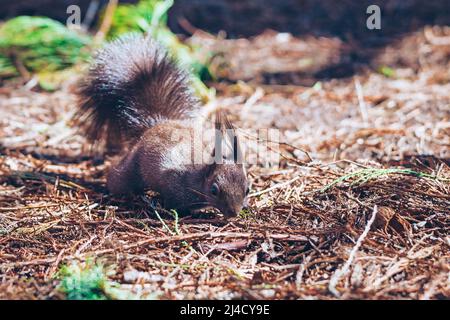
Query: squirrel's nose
232, 211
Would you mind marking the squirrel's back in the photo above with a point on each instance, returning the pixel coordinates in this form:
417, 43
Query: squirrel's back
132, 85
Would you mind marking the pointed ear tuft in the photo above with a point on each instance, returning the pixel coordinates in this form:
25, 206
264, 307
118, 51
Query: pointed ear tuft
218, 123
209, 169
233, 148
217, 152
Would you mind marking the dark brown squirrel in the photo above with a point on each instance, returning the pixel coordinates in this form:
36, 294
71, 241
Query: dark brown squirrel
135, 97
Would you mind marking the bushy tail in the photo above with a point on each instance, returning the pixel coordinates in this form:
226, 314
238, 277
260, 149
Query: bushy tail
132, 85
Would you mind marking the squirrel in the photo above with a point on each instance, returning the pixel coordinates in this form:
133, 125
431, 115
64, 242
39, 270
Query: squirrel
134, 98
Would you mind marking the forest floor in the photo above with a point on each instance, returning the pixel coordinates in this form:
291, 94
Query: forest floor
331, 221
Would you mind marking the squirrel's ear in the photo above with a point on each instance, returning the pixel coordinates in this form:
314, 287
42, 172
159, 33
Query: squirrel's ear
216, 153
218, 123
209, 169
232, 146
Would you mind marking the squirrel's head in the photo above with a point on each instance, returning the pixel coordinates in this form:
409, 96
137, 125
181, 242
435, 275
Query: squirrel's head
225, 184
226, 187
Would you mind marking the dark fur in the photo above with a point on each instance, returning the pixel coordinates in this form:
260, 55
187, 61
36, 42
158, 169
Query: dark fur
132, 85
134, 92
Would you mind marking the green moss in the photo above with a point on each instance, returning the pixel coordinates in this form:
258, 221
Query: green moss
246, 214
7, 69
91, 281
386, 71
84, 281
136, 17
40, 44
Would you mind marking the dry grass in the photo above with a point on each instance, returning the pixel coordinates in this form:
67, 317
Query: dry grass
383, 237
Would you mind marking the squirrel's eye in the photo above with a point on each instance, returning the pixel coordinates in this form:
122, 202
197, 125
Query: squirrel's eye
214, 189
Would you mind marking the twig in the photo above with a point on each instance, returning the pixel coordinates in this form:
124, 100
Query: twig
165, 226
106, 22
90, 14
362, 103
341, 272
280, 143
178, 268
258, 94
24, 73
277, 186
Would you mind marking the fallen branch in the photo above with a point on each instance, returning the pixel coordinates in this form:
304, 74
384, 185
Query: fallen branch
341, 272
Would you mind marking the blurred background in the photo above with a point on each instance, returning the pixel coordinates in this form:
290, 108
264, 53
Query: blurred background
344, 20
251, 17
